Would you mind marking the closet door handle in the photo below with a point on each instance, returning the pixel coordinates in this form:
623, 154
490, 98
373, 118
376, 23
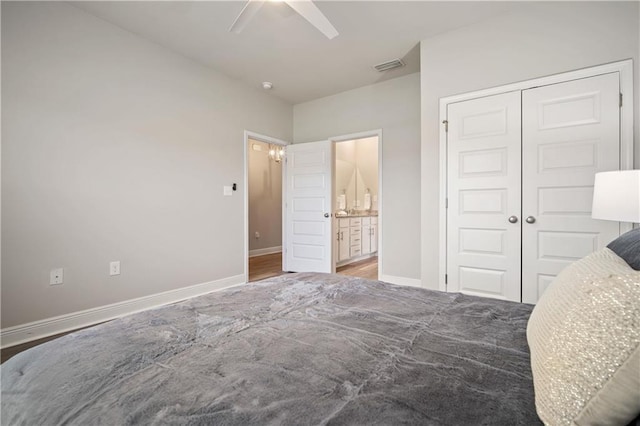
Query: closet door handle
530, 219
513, 219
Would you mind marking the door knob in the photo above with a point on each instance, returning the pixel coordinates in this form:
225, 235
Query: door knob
326, 215
513, 219
530, 219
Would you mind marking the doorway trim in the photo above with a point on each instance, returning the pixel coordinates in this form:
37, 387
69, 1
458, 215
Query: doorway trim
267, 139
625, 68
362, 135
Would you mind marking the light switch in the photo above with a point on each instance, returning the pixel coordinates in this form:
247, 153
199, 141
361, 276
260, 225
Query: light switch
227, 191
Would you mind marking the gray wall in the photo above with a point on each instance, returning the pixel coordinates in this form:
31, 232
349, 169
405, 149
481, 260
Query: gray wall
265, 198
393, 106
548, 38
114, 148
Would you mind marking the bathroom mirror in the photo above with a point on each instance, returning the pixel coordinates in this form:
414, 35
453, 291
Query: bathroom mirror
367, 173
345, 175
357, 174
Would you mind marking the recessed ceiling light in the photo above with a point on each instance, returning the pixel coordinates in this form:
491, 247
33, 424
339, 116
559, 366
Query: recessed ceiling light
267, 85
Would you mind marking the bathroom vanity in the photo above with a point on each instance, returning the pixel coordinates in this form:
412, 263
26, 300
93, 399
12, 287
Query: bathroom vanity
356, 237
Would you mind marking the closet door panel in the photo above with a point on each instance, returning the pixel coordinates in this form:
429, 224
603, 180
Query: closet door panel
484, 151
570, 131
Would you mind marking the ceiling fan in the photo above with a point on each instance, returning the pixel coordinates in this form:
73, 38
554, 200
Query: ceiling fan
305, 8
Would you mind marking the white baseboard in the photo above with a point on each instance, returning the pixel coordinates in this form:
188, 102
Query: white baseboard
263, 251
18, 334
411, 282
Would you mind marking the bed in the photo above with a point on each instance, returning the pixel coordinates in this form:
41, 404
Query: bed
296, 349
330, 349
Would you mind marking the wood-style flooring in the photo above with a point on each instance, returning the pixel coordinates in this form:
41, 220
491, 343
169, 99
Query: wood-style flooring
260, 267
367, 268
265, 266
270, 265
7, 353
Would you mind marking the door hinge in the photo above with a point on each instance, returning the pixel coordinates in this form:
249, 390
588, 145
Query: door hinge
446, 279
620, 100
446, 125
446, 203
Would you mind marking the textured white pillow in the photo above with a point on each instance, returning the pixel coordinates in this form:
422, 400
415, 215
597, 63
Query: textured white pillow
584, 336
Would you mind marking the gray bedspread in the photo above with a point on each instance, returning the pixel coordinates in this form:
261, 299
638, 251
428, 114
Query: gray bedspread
296, 349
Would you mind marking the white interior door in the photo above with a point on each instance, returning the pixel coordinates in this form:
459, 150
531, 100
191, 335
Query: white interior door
570, 131
484, 184
308, 204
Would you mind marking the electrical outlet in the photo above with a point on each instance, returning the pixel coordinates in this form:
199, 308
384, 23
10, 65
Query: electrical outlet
114, 268
257, 235
227, 191
56, 276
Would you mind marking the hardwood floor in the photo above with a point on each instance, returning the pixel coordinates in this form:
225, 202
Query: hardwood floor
270, 265
367, 268
260, 267
7, 353
266, 266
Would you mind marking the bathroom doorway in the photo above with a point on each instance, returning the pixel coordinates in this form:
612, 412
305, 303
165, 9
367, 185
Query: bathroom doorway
357, 199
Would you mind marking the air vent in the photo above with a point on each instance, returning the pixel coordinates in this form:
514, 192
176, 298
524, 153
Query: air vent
386, 66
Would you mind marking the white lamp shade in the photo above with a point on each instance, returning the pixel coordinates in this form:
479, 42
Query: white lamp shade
616, 196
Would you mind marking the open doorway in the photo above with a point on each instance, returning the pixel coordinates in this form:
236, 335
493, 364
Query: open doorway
264, 158
315, 207
357, 195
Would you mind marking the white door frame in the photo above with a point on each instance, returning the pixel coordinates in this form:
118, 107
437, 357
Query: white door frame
267, 139
625, 68
362, 135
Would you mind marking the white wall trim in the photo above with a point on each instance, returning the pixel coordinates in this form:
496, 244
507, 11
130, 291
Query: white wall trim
263, 138
625, 68
268, 139
411, 282
16, 335
362, 135
266, 250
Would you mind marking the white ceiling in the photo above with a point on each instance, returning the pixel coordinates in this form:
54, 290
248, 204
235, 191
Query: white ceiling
279, 46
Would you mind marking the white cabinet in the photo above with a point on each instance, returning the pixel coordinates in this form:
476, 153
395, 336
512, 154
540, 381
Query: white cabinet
355, 234
369, 235
343, 239
374, 235
356, 237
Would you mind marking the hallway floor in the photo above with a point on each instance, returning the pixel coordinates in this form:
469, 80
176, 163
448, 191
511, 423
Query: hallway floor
270, 265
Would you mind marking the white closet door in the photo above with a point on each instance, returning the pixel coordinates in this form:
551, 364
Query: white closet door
570, 131
309, 241
484, 151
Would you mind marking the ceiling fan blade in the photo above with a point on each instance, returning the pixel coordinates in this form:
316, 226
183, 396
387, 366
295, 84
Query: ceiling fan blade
248, 11
311, 13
